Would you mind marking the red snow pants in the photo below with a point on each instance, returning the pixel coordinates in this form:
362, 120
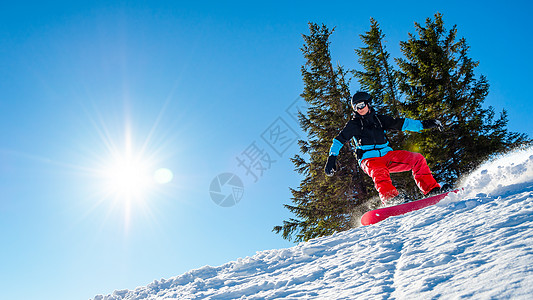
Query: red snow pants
379, 168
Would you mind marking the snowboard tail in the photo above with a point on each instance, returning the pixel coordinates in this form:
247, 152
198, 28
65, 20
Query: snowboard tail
380, 214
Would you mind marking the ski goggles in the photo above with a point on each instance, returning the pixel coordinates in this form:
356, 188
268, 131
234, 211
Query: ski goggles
359, 106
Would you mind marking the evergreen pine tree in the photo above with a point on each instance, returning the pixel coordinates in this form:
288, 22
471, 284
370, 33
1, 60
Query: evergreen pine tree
381, 80
435, 80
321, 204
438, 80
379, 77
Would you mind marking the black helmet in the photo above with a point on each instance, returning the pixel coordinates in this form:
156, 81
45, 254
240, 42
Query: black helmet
361, 97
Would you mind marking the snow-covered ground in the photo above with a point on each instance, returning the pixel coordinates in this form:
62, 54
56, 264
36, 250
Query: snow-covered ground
477, 244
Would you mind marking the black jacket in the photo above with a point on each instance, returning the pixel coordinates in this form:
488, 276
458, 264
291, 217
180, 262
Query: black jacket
368, 133
369, 129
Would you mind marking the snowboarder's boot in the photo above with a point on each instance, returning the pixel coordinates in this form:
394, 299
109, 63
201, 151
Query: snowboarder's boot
440, 190
400, 199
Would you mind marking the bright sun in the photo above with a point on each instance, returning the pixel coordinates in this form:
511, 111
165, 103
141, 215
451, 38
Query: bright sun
130, 181
128, 178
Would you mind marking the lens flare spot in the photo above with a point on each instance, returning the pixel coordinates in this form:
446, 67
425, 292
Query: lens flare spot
163, 176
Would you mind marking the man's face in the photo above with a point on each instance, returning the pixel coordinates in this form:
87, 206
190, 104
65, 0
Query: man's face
361, 108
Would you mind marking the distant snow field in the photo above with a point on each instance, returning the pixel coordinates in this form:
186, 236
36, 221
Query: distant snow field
475, 244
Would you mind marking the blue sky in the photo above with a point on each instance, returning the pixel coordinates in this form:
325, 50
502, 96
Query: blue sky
189, 88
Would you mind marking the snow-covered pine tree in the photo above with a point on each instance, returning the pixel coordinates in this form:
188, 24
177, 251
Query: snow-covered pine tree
323, 205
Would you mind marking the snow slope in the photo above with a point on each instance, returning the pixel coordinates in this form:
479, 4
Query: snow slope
476, 244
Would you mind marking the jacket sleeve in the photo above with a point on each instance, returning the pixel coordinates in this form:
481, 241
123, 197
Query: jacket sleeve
412, 125
400, 124
346, 134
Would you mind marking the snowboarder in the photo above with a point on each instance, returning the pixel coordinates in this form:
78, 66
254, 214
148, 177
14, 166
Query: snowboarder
376, 158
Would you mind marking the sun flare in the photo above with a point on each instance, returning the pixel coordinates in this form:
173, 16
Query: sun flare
128, 178
127, 165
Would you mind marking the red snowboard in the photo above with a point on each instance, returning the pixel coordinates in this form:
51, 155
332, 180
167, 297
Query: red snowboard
380, 214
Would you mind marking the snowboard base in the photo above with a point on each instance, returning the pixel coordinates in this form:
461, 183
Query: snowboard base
380, 214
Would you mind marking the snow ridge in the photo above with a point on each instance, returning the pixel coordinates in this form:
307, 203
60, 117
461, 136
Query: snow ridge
475, 244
